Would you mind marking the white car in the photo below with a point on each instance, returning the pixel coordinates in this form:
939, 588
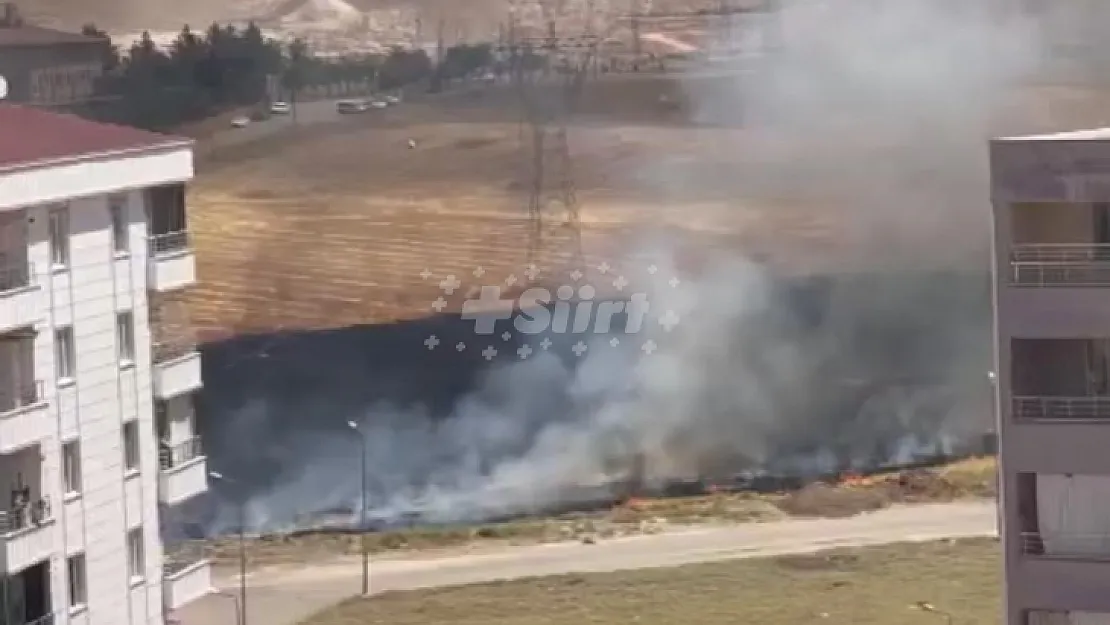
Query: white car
392, 99
350, 106
241, 121
378, 104
280, 108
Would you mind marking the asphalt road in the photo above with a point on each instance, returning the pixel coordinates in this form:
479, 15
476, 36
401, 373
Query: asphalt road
283, 596
308, 113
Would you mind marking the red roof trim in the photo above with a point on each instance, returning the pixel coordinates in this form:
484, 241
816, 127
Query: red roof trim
35, 138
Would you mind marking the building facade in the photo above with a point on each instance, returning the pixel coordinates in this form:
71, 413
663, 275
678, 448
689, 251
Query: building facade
47, 67
1051, 199
96, 436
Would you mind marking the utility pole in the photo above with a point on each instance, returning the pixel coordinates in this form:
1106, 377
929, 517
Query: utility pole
440, 26
636, 33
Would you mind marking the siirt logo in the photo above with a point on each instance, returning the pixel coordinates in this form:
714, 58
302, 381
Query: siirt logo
535, 317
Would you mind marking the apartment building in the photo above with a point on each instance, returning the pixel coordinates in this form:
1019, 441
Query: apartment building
1051, 199
96, 428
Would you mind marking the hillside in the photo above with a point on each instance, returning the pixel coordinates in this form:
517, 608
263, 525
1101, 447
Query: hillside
469, 19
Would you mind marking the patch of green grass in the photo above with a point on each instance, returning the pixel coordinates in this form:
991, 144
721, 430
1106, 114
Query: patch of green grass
869, 586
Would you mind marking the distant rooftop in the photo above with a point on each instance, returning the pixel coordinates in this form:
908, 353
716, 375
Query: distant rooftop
1093, 134
34, 137
15, 32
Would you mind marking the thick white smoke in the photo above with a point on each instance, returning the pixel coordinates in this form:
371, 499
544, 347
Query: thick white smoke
878, 111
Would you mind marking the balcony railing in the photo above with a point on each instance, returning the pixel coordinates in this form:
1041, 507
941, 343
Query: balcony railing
169, 243
181, 453
182, 556
33, 513
15, 276
1089, 408
27, 394
1080, 546
1060, 264
48, 619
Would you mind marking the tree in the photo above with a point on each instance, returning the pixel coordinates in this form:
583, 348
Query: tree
109, 55
293, 78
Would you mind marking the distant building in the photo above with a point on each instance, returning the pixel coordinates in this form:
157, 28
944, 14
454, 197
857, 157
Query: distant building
44, 66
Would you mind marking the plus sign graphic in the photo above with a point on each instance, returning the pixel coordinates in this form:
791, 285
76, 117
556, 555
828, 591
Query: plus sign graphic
450, 284
431, 342
487, 310
669, 320
489, 352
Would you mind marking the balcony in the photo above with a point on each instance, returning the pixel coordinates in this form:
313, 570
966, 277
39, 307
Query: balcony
184, 471
24, 418
27, 535
186, 575
20, 296
1060, 265
1058, 408
176, 370
171, 262
1090, 547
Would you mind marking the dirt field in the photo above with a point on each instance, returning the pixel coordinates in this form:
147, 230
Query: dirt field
877, 585
333, 227
973, 478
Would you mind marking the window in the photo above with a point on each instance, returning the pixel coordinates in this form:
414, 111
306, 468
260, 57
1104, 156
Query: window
125, 336
59, 237
117, 207
64, 357
75, 570
131, 445
71, 466
136, 554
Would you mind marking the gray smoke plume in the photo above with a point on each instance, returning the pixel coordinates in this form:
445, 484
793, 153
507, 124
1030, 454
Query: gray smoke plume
875, 111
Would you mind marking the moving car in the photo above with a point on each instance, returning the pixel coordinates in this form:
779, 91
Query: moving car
344, 107
392, 99
241, 121
280, 108
378, 104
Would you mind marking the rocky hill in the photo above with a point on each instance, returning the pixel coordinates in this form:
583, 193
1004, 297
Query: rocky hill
472, 19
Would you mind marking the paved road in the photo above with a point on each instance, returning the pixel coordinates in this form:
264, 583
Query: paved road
286, 596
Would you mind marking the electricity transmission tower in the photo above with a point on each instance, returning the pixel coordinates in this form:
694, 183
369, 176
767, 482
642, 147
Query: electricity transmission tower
549, 75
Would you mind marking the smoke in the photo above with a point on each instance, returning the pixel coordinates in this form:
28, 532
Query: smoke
875, 111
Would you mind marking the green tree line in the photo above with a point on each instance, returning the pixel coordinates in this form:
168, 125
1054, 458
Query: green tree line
203, 73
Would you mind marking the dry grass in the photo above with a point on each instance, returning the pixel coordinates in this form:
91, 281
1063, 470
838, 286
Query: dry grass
872, 586
961, 480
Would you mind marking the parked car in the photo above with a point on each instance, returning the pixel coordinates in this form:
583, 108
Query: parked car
392, 99
241, 121
345, 107
280, 108
378, 104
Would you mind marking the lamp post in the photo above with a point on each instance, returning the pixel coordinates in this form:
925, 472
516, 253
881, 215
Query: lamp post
362, 510
242, 550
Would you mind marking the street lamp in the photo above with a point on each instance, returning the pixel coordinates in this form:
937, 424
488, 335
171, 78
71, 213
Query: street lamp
362, 511
242, 550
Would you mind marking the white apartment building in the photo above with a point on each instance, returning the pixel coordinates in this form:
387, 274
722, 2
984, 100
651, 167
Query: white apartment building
97, 372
